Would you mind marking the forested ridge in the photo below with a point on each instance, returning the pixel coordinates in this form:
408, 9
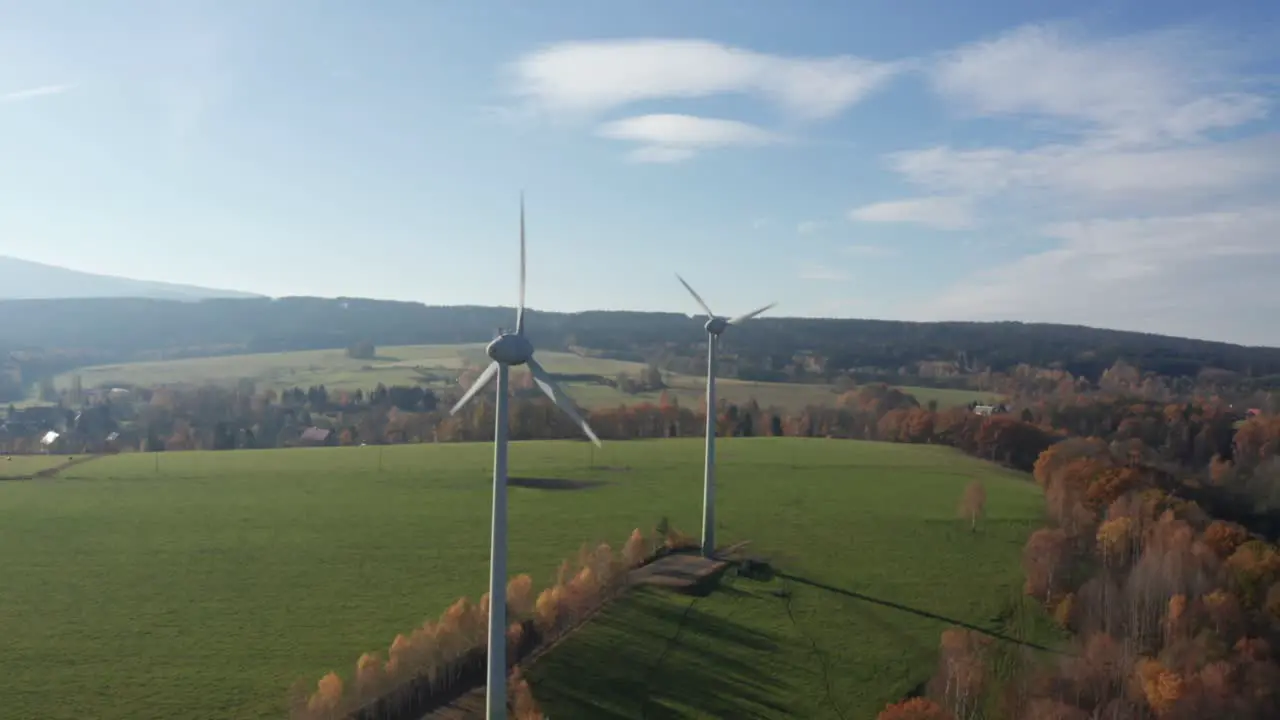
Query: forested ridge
73, 332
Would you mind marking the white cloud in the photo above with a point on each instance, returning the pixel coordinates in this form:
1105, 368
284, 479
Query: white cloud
809, 227
1096, 173
1153, 87
1201, 274
1152, 223
594, 76
1185, 238
943, 213
34, 92
672, 138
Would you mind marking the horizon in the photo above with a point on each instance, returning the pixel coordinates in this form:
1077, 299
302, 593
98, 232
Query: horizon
771, 315
914, 162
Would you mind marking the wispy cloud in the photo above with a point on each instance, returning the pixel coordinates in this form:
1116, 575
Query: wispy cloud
1155, 224
1096, 174
1146, 88
869, 251
824, 273
943, 213
1181, 274
34, 92
669, 138
594, 76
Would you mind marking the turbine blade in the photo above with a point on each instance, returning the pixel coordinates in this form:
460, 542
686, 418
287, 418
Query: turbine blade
743, 318
695, 295
520, 308
485, 378
553, 391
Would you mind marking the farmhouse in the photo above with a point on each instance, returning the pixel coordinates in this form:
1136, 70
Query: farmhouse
316, 437
50, 441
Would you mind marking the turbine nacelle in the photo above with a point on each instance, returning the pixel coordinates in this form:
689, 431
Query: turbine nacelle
716, 325
510, 349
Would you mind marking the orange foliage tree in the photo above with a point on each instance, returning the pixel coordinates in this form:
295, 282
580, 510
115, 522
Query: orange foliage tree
433, 651
914, 709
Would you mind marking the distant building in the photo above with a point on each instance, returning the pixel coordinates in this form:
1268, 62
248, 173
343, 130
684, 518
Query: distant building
986, 410
50, 441
316, 437
42, 415
809, 361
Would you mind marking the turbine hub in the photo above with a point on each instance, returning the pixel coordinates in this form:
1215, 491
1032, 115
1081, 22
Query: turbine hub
716, 325
510, 349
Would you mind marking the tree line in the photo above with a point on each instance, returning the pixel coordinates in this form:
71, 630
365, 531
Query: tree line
48, 336
1158, 558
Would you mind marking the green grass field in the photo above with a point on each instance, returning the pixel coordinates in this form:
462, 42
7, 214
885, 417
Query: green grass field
865, 548
203, 586
23, 465
405, 365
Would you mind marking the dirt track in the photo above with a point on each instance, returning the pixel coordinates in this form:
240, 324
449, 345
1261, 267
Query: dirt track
52, 471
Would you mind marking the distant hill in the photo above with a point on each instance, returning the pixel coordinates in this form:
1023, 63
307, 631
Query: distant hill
27, 280
55, 335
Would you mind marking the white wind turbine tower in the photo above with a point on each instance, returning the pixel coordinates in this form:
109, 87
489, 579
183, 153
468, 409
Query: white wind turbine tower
509, 349
715, 325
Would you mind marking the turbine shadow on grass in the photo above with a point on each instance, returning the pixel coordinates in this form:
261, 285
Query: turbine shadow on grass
921, 613
545, 483
614, 673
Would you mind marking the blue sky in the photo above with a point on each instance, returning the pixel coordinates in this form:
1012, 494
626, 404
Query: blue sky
1112, 164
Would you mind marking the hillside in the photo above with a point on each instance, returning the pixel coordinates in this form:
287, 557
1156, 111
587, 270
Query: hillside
65, 333
438, 367
24, 279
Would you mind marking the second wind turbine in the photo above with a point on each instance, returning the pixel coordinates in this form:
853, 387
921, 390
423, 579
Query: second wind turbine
715, 326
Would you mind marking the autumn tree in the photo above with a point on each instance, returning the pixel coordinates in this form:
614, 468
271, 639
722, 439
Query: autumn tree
973, 503
914, 709
1045, 561
522, 704
962, 673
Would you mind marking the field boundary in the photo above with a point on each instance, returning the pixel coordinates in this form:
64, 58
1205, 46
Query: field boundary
50, 472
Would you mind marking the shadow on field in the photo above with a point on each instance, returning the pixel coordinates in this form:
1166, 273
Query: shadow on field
638, 659
536, 483
919, 613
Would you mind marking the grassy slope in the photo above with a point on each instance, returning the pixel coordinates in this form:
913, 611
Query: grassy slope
870, 519
20, 465
203, 590
396, 365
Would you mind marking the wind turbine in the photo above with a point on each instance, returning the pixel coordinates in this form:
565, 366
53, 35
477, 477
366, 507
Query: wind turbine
715, 326
507, 350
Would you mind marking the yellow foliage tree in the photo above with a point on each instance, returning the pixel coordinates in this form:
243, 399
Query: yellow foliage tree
633, 552
327, 700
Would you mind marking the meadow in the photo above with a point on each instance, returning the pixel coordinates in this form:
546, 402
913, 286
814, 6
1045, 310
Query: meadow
24, 465
439, 366
203, 584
